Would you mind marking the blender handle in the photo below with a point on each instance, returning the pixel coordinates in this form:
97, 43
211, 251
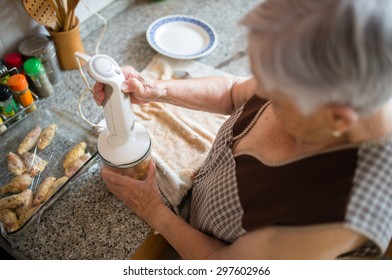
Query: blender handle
117, 105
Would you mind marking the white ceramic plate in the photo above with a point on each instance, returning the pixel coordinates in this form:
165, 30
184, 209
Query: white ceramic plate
181, 37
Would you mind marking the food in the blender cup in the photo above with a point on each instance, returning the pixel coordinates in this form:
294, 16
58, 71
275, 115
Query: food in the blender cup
141, 170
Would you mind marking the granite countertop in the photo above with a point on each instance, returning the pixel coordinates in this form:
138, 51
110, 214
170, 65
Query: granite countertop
87, 221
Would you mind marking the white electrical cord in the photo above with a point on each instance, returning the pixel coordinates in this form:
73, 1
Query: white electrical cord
105, 23
89, 89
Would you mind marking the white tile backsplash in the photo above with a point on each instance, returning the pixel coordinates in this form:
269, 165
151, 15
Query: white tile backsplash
16, 24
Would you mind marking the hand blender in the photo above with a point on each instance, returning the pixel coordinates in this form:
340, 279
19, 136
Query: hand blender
124, 145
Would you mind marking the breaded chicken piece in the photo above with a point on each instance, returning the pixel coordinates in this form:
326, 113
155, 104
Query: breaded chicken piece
42, 190
9, 220
17, 184
24, 216
15, 164
76, 164
34, 164
27, 205
46, 136
15, 200
56, 185
74, 153
29, 141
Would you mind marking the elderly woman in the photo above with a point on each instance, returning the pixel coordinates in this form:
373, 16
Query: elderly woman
302, 168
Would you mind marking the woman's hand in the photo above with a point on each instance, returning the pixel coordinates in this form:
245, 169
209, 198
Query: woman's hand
140, 88
143, 197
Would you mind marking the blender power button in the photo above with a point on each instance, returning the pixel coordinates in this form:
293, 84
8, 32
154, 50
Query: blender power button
104, 67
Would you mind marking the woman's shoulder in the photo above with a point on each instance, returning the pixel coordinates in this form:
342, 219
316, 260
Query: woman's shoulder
368, 210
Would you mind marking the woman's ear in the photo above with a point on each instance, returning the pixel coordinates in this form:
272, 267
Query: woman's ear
341, 118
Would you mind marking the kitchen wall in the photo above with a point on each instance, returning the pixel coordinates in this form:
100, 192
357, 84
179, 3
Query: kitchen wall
15, 23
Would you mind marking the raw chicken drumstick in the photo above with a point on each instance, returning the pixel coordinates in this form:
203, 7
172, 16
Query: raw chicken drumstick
29, 141
15, 164
46, 136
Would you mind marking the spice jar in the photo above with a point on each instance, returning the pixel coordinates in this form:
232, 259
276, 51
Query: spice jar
6, 73
8, 106
19, 86
36, 72
3, 127
42, 47
4, 76
14, 60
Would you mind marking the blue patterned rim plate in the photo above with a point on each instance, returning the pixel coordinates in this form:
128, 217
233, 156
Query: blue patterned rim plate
181, 37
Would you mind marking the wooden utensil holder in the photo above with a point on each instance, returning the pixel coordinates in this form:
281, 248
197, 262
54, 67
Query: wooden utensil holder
67, 43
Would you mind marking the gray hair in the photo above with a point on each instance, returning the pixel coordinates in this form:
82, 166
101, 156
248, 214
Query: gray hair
321, 52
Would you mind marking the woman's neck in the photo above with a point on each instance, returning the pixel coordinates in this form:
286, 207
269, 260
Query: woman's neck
373, 126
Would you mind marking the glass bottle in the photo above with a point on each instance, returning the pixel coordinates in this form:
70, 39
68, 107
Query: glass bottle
14, 60
36, 72
3, 127
19, 86
42, 47
3, 73
8, 107
6, 73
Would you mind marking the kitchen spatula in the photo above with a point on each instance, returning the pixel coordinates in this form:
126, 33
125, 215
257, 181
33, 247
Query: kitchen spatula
42, 12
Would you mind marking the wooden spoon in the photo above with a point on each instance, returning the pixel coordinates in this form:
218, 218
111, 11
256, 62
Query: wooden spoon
70, 17
42, 12
60, 13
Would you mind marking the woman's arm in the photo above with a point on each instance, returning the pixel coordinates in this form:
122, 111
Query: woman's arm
218, 94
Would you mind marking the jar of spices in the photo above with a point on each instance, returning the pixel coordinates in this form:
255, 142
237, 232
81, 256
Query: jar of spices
3, 127
8, 106
19, 86
6, 73
4, 76
14, 60
42, 47
36, 72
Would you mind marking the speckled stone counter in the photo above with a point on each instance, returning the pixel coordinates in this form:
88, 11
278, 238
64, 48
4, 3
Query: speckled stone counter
88, 222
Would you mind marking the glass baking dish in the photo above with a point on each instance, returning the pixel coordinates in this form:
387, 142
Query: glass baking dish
70, 132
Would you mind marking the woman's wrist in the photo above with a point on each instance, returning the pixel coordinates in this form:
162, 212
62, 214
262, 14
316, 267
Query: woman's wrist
157, 218
160, 91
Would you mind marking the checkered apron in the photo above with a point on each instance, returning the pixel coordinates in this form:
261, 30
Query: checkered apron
216, 207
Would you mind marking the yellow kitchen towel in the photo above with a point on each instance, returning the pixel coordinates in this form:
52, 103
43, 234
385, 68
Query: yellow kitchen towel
181, 138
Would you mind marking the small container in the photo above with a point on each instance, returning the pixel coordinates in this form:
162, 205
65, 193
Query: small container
19, 86
4, 76
42, 47
129, 157
36, 72
137, 170
8, 106
3, 127
14, 60
6, 73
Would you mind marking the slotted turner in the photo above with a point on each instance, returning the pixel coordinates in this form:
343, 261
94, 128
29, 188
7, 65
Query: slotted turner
42, 12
